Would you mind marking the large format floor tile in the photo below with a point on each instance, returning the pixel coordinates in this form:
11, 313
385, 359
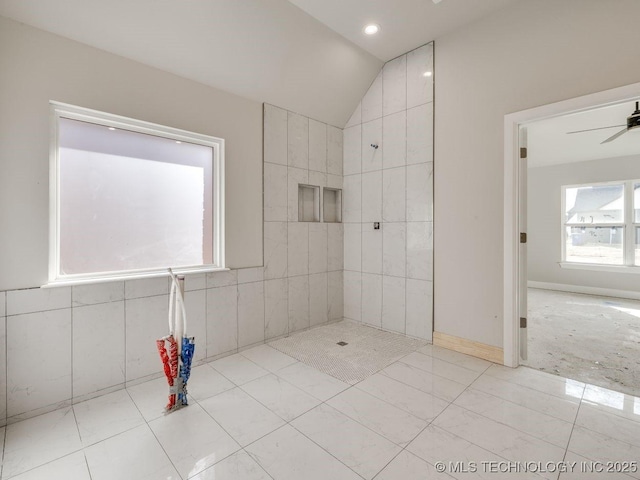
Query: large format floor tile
135, 455
242, 416
286, 454
192, 440
235, 467
106, 416
71, 467
39, 440
312, 381
356, 446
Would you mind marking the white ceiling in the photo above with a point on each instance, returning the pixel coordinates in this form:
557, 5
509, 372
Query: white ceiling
549, 143
265, 50
405, 24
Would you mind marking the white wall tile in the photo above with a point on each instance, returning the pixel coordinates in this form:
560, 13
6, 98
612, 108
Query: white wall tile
419, 86
335, 248
146, 287
394, 239
296, 176
317, 179
394, 193
38, 300
371, 249
3, 304
317, 146
334, 150
372, 101
97, 293
98, 347
276, 308
372, 299
195, 303
352, 246
298, 303
38, 360
372, 197
420, 134
334, 181
394, 138
419, 309
393, 304
318, 247
352, 199
394, 86
420, 192
318, 299
275, 135
222, 279
298, 140
275, 249
250, 314
336, 295
298, 250
145, 322
352, 295
419, 250
222, 320
275, 193
356, 116
250, 275
195, 281
372, 135
352, 150
3, 369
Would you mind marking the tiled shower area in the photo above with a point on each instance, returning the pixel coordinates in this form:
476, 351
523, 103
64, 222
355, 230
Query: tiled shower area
347, 236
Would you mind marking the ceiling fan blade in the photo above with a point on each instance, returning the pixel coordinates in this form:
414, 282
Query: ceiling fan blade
613, 137
593, 129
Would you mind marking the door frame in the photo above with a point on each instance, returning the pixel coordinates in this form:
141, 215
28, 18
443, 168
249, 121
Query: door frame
513, 198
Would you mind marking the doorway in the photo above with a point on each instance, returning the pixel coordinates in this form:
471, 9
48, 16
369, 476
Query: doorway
581, 320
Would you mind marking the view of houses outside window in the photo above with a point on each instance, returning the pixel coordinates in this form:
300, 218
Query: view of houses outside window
602, 224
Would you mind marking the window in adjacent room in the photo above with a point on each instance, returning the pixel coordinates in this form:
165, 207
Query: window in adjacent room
130, 198
601, 223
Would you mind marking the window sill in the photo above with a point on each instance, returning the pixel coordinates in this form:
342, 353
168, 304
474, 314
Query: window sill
138, 275
600, 268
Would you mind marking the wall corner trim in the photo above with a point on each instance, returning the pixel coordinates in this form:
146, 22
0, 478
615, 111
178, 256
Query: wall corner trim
469, 347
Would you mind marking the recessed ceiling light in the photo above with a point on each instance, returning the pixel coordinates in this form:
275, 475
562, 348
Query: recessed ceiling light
427, 74
178, 141
111, 128
372, 29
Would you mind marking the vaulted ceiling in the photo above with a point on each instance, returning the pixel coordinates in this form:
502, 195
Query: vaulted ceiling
308, 56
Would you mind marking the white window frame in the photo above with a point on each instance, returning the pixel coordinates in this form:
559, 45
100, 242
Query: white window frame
61, 110
628, 226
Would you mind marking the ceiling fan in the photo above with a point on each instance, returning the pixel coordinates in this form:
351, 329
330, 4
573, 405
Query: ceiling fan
633, 122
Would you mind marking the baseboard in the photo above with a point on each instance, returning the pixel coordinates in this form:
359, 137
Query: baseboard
604, 292
469, 347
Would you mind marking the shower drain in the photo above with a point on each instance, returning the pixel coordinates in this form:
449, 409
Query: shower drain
342, 344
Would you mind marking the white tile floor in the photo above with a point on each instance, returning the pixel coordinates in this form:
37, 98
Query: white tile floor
263, 415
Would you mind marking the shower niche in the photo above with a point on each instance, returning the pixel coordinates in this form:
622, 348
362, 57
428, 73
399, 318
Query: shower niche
316, 204
308, 203
332, 205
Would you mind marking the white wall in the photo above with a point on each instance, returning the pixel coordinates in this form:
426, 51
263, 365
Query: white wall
38, 67
544, 215
388, 277
530, 54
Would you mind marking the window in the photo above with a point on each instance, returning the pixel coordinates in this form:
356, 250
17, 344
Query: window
601, 223
130, 198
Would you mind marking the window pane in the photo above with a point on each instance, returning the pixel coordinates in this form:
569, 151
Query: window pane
636, 202
132, 201
602, 245
594, 204
637, 256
